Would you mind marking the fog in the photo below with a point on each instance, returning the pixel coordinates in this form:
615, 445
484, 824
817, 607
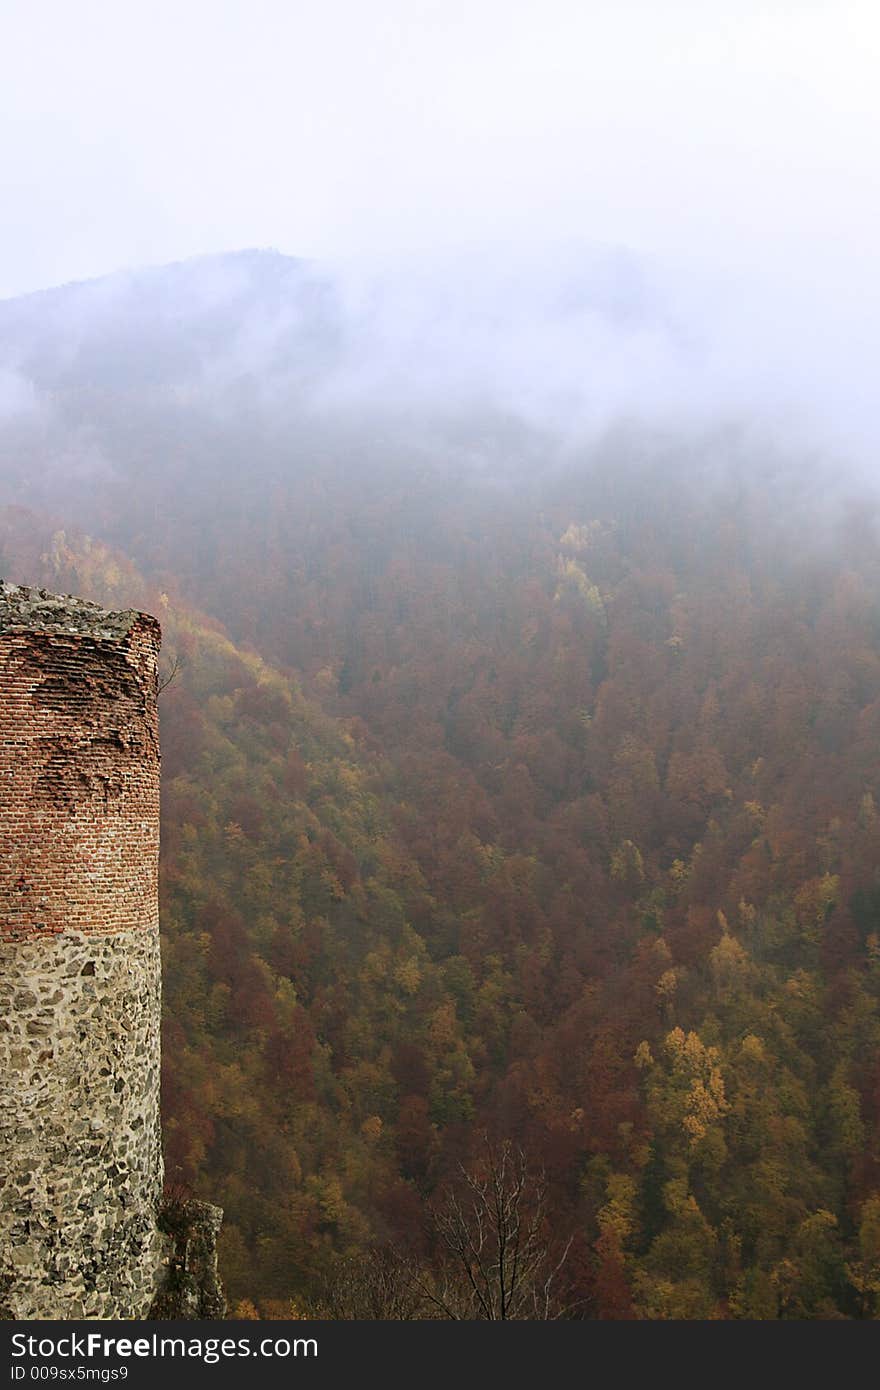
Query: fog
576, 339
136, 134
498, 229
567, 339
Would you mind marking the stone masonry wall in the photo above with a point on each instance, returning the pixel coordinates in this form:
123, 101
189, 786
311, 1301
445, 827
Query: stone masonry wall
80, 1158
80, 1161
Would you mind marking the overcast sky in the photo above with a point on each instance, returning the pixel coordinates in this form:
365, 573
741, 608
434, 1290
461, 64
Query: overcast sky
139, 131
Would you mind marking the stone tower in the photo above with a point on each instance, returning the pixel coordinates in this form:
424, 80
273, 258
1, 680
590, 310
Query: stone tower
80, 1156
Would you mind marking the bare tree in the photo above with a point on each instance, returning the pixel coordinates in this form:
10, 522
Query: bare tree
494, 1257
169, 674
497, 1261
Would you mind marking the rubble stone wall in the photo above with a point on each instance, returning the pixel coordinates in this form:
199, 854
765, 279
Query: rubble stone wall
80, 1156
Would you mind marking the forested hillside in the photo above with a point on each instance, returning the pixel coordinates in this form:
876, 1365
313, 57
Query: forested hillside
511, 787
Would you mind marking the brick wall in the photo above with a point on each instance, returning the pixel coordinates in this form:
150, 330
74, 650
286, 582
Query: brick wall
79, 770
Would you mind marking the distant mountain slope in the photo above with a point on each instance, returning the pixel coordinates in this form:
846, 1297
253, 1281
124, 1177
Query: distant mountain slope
476, 330
153, 328
293, 973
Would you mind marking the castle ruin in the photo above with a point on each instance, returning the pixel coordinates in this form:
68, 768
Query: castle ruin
80, 1152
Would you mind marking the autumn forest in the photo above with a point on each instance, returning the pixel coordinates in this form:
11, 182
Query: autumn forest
521, 814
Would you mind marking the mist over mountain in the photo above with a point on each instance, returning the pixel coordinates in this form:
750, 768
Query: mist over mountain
570, 340
434, 337
207, 385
